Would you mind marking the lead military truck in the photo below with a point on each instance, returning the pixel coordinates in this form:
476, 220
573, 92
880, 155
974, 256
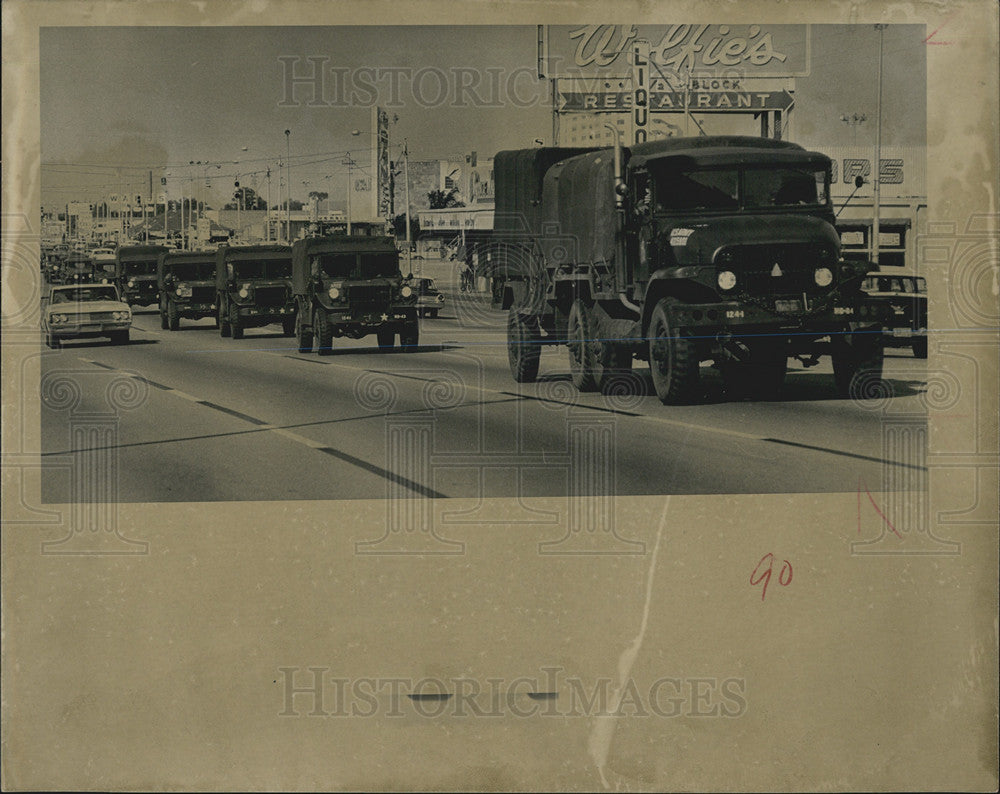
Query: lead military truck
186, 281
678, 252
351, 286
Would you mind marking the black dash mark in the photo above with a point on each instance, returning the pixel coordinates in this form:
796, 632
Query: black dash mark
570, 405
231, 412
845, 454
429, 696
363, 464
152, 383
99, 364
308, 360
543, 695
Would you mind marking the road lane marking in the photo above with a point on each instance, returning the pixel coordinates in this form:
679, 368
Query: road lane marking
261, 425
845, 454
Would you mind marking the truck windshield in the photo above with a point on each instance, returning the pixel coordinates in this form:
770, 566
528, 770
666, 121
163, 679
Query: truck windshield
732, 188
193, 271
141, 268
359, 265
263, 268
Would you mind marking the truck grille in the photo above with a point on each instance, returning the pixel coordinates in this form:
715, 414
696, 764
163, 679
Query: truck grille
755, 265
202, 294
271, 296
372, 294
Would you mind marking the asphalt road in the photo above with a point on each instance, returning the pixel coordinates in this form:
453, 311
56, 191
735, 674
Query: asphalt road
213, 419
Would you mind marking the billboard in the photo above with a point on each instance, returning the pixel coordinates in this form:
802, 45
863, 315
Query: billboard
382, 195
748, 51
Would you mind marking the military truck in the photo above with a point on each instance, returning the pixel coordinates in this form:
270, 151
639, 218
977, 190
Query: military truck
351, 286
135, 273
254, 286
681, 251
186, 281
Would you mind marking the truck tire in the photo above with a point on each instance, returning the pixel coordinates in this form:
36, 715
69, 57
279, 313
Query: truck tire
919, 347
386, 336
234, 321
223, 321
323, 332
288, 326
163, 316
857, 364
303, 333
409, 336
761, 377
583, 351
523, 346
173, 316
673, 360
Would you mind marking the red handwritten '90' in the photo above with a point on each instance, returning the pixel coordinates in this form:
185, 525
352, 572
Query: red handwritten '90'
765, 574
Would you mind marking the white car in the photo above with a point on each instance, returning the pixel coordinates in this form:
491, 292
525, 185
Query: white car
86, 310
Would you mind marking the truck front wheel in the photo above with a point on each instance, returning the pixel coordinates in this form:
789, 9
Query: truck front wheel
234, 321
583, 352
523, 346
173, 316
323, 332
409, 336
857, 364
673, 360
223, 321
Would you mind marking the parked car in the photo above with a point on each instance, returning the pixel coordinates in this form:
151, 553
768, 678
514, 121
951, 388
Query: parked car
906, 294
87, 310
429, 297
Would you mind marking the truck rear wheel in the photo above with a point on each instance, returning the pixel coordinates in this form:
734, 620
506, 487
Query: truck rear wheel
523, 346
857, 364
323, 332
163, 316
386, 336
303, 333
920, 347
288, 326
222, 321
409, 336
173, 316
673, 360
234, 321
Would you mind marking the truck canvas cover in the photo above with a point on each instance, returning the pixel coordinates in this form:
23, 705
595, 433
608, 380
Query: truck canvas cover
336, 243
518, 176
172, 258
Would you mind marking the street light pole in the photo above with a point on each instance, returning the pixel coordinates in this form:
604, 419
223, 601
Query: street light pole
406, 196
876, 166
350, 189
288, 189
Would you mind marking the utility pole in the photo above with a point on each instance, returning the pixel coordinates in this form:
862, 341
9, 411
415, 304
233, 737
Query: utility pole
267, 223
288, 189
406, 195
239, 207
350, 188
877, 165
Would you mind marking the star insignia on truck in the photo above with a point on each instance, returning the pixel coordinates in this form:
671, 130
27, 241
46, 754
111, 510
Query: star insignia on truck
385, 317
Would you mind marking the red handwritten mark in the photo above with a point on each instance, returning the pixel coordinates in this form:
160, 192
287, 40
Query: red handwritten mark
877, 509
934, 33
765, 576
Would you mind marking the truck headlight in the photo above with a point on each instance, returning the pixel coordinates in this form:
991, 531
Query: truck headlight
406, 292
334, 293
823, 276
726, 279
54, 319
183, 290
245, 291
131, 282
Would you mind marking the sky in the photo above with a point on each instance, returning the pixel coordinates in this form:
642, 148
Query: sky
118, 102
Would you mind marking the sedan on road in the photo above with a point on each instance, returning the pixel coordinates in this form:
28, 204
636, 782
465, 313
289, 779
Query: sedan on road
429, 298
906, 294
82, 311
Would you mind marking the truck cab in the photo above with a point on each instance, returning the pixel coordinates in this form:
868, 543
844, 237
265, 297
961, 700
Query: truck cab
254, 286
135, 273
351, 286
186, 282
